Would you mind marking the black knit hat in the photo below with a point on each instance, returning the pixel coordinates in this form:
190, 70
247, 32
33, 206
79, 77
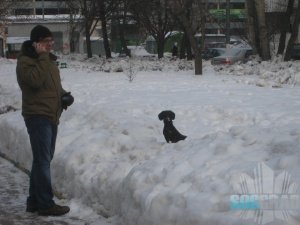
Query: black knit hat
39, 32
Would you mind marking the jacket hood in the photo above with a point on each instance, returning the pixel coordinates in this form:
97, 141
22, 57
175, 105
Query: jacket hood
28, 50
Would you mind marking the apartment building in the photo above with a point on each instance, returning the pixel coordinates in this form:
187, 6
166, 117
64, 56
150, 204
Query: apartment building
40, 7
217, 22
274, 9
54, 14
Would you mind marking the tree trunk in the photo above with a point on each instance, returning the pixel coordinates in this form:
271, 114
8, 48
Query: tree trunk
122, 38
160, 40
197, 54
105, 40
196, 49
263, 32
185, 50
72, 41
189, 53
198, 65
251, 24
104, 29
87, 33
183, 46
294, 35
88, 41
284, 27
181, 10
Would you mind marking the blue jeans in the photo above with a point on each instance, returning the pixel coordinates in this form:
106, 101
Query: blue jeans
42, 134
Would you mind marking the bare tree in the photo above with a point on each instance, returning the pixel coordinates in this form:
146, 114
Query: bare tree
191, 24
185, 50
252, 30
122, 16
155, 17
294, 35
185, 46
5, 7
106, 9
264, 46
91, 13
285, 26
88, 13
73, 23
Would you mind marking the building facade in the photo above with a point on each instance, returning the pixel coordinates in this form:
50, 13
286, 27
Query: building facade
40, 7
54, 14
217, 21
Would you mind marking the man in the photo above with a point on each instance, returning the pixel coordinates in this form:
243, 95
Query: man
39, 80
175, 50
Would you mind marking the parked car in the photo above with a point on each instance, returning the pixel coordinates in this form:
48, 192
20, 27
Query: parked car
296, 51
213, 52
232, 56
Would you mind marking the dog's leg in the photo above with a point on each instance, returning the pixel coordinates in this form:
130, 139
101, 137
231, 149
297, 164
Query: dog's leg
166, 135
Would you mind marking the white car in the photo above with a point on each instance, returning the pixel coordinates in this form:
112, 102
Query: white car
232, 56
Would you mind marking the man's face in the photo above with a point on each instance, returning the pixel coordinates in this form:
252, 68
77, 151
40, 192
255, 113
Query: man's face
47, 43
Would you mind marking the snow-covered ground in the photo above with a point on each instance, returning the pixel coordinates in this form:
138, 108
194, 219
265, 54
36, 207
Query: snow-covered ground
13, 194
111, 155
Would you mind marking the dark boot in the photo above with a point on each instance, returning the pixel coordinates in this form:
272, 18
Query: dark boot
31, 208
55, 210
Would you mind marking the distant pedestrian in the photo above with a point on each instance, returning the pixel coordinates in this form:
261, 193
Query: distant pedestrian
43, 100
175, 50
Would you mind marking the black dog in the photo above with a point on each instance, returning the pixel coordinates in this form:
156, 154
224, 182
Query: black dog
170, 132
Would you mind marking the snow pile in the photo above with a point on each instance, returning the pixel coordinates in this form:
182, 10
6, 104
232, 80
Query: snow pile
270, 73
141, 63
111, 154
139, 51
9, 101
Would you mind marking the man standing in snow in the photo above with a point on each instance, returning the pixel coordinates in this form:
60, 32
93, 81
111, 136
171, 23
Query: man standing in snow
175, 50
39, 80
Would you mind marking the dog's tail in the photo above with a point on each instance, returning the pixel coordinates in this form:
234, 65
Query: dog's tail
183, 137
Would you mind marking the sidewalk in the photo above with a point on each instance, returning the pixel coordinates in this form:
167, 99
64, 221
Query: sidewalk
13, 194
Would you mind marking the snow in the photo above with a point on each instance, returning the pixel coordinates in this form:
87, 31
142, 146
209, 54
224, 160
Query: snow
13, 194
16, 40
111, 155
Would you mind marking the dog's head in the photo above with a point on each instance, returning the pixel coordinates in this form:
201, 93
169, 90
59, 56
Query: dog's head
166, 115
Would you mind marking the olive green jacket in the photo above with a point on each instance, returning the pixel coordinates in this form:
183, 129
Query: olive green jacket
39, 80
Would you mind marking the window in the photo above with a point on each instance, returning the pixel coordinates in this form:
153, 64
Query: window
58, 41
52, 11
237, 5
23, 11
63, 11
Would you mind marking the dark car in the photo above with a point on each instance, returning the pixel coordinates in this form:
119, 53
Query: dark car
296, 51
213, 52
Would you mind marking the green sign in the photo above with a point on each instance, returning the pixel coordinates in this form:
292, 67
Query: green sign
234, 13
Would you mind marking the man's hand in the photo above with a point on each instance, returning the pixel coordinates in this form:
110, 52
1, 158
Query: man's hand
66, 100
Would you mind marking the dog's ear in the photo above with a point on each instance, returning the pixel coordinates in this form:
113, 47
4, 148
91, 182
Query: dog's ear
161, 115
165, 114
171, 115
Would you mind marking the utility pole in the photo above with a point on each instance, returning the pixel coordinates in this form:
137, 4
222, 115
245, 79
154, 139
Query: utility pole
43, 9
227, 22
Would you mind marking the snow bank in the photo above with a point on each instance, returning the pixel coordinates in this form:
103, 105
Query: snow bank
139, 63
111, 154
273, 73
